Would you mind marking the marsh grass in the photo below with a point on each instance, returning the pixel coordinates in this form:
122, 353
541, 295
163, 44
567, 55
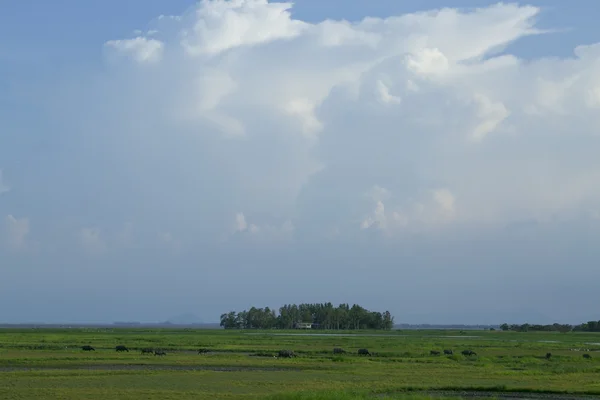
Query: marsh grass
50, 364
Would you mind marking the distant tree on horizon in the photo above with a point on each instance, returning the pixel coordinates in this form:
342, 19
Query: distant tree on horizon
543, 328
321, 315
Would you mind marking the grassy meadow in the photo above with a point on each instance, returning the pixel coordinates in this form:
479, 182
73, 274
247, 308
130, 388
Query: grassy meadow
47, 363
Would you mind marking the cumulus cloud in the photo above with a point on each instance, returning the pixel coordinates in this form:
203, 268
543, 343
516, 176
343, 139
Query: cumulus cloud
242, 226
435, 208
16, 231
141, 48
267, 233
247, 108
386, 97
222, 25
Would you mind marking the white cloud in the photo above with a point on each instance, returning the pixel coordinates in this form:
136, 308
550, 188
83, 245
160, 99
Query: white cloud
222, 25
265, 233
3, 186
378, 217
213, 86
247, 108
490, 114
242, 226
384, 93
426, 62
304, 110
434, 208
142, 49
16, 232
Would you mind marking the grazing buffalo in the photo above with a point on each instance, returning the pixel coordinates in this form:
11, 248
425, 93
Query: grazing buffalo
88, 348
363, 352
159, 353
548, 355
448, 352
434, 353
286, 354
468, 353
147, 350
587, 356
121, 348
338, 350
203, 351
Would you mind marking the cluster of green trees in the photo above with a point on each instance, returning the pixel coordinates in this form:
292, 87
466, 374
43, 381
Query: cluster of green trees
590, 326
537, 328
321, 315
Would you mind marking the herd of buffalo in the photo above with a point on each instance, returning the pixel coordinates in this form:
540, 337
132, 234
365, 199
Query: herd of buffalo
290, 353
120, 348
280, 354
587, 356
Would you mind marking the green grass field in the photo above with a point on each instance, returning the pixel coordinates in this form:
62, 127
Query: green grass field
49, 364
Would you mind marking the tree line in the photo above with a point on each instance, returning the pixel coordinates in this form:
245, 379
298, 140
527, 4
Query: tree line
320, 315
590, 326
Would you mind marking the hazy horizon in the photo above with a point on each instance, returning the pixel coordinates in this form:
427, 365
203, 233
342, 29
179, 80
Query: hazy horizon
428, 158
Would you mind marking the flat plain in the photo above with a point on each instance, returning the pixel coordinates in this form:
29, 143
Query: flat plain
240, 364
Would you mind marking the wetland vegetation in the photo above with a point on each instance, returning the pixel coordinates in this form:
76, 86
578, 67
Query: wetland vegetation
238, 364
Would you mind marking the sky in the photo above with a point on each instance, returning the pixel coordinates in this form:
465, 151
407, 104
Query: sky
437, 159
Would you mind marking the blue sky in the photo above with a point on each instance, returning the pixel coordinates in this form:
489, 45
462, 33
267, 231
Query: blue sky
239, 155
